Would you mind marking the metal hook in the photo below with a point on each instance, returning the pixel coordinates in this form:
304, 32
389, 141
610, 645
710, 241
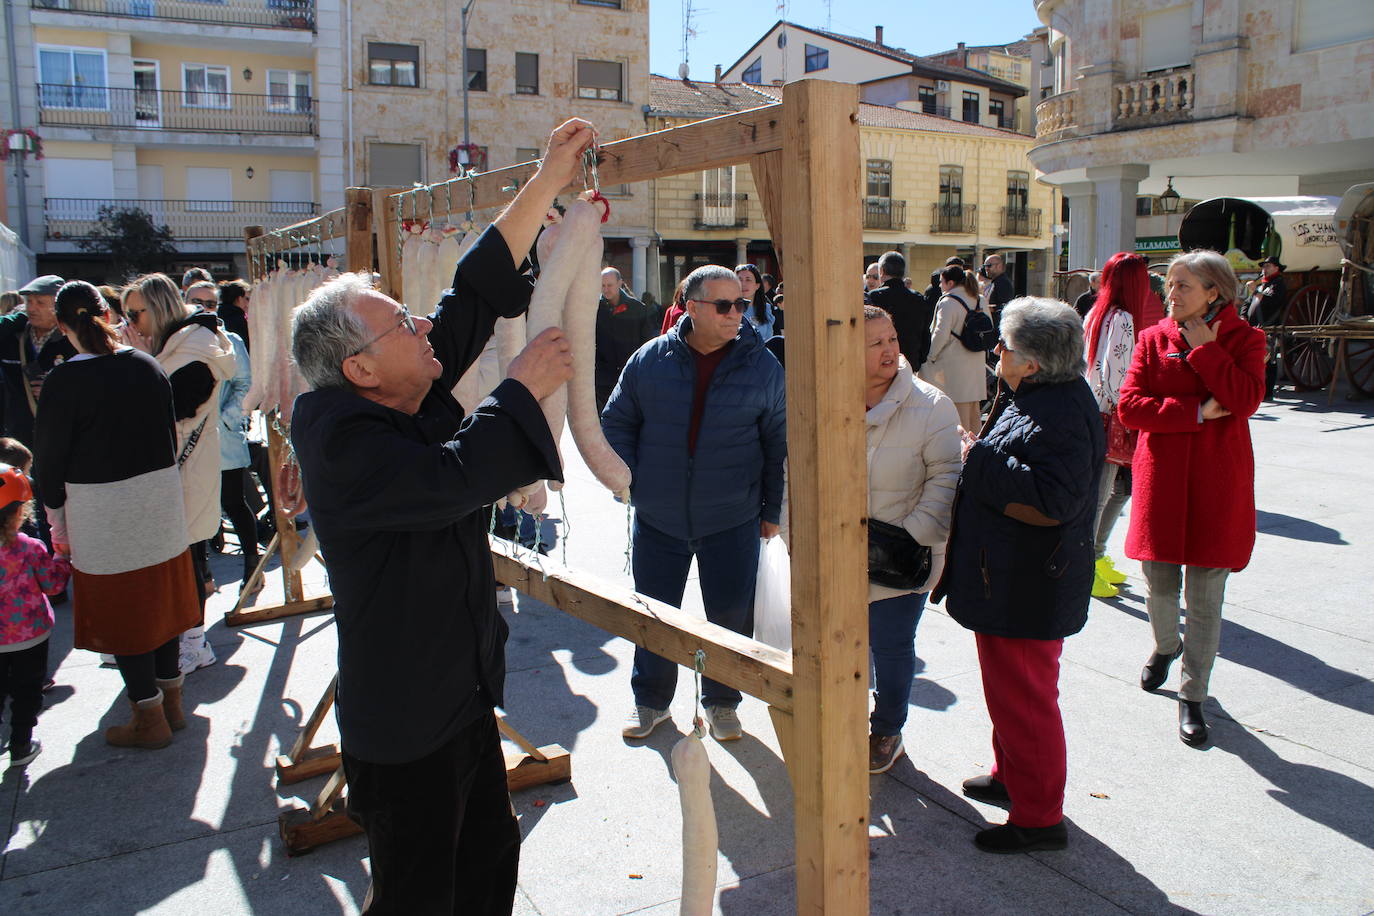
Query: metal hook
448, 188
472, 192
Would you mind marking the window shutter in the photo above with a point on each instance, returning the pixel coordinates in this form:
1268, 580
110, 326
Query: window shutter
1166, 39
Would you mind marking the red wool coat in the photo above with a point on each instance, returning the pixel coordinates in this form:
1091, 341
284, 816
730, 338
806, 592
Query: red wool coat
1194, 481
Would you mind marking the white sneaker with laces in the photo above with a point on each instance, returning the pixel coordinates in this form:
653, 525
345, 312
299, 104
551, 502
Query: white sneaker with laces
644, 720
195, 651
724, 723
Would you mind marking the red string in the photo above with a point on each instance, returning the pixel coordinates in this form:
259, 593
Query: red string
598, 198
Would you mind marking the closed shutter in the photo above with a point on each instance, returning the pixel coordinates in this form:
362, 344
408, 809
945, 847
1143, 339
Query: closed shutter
1166, 39
1322, 23
292, 191
393, 165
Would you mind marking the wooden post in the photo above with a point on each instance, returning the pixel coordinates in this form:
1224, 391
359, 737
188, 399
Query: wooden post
289, 541
825, 434
388, 246
358, 229
250, 233
767, 169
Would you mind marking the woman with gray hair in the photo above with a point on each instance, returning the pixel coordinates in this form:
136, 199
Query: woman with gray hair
1019, 567
1194, 381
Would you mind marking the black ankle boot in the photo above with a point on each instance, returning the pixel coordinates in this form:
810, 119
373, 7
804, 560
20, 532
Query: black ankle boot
1192, 727
1156, 670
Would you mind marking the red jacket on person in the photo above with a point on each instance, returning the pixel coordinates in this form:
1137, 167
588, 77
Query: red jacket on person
1194, 481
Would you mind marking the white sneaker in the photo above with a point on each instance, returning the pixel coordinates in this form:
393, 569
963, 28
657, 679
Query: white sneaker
108, 661
644, 720
195, 651
505, 596
724, 722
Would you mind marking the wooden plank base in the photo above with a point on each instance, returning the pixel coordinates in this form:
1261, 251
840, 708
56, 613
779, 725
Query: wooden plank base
278, 611
317, 761
524, 771
301, 831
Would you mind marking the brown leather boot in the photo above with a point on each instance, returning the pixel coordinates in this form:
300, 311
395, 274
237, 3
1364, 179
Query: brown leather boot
148, 729
171, 701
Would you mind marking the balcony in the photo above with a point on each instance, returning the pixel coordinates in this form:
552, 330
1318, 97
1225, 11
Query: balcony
1055, 114
939, 111
1154, 100
272, 14
174, 109
884, 213
1021, 221
955, 219
722, 211
71, 218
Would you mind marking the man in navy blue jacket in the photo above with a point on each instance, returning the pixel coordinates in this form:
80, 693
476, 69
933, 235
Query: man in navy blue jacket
396, 478
700, 417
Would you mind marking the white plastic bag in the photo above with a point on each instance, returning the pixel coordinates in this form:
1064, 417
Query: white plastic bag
773, 596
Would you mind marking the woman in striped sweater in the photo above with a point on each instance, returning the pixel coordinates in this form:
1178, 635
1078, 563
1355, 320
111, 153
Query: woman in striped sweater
106, 461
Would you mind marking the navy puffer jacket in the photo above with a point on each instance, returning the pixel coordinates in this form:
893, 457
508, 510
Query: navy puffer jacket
736, 473
1020, 559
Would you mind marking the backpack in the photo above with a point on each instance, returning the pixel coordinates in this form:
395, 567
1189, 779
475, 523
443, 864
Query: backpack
978, 334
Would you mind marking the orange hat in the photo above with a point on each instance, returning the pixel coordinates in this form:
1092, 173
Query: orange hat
14, 486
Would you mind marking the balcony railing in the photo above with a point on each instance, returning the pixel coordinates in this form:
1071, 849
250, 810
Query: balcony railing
1021, 221
1153, 100
71, 218
884, 213
1056, 113
175, 109
961, 219
722, 211
940, 111
272, 14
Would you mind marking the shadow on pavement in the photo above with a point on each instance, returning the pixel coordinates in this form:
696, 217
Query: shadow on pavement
1299, 529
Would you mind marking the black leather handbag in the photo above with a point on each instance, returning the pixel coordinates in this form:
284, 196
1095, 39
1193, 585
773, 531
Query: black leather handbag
895, 560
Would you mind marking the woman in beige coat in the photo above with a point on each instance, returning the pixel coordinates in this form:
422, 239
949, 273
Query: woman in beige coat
198, 358
913, 467
956, 370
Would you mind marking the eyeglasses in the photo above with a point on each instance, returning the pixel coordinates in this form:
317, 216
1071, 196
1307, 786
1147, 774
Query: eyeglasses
723, 306
407, 321
207, 303
1004, 346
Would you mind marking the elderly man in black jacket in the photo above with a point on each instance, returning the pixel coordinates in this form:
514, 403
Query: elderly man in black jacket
911, 312
396, 479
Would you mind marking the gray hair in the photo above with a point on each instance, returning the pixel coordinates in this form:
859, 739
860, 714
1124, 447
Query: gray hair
691, 288
611, 270
1212, 270
1047, 331
325, 330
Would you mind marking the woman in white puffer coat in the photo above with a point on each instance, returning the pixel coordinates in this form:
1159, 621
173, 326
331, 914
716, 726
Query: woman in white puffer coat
913, 468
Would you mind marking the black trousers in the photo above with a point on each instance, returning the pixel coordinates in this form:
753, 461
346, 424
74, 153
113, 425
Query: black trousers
140, 671
234, 503
440, 830
22, 674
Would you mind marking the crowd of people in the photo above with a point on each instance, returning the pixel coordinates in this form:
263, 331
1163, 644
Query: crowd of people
1000, 506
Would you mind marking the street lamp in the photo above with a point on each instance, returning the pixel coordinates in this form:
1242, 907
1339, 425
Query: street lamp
1169, 200
467, 8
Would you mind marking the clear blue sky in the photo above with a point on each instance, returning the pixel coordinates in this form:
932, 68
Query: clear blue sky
726, 28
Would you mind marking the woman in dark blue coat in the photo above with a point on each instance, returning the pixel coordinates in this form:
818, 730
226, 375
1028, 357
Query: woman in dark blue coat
1020, 563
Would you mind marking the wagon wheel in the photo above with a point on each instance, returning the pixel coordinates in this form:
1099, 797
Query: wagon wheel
1307, 361
1359, 365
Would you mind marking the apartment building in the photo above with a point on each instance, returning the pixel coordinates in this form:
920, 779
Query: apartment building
1211, 98
934, 187
207, 116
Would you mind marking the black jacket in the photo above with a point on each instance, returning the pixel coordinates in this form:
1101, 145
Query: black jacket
13, 335
911, 316
236, 322
397, 503
1020, 557
620, 331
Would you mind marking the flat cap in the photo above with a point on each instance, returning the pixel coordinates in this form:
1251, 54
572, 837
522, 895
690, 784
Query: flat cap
46, 285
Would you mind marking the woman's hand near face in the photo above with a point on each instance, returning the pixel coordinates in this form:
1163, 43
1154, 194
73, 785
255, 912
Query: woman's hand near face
1197, 332
966, 441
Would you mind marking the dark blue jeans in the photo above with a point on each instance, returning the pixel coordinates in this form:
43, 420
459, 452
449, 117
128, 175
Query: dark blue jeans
728, 564
892, 640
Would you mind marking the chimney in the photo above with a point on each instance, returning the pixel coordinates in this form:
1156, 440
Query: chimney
717, 74
962, 55
878, 34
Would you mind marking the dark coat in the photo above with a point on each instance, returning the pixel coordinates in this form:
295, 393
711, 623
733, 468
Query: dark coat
397, 503
1193, 490
911, 316
236, 322
736, 473
620, 331
1020, 558
13, 335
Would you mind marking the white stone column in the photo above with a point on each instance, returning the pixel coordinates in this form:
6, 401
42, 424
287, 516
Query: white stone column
639, 246
330, 83
1114, 226
1082, 196
741, 251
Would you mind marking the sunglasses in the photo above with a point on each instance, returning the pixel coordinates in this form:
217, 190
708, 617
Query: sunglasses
132, 314
723, 306
1003, 345
407, 321
205, 302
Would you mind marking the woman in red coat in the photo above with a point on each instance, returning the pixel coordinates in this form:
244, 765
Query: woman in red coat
1192, 386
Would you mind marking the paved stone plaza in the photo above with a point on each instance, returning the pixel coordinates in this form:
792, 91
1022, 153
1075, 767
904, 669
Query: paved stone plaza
1276, 816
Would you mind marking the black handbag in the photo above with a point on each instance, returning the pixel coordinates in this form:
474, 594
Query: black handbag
895, 560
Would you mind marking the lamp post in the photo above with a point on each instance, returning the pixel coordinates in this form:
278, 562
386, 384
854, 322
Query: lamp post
1169, 200
467, 8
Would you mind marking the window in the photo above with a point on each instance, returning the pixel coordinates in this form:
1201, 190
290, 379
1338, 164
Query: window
526, 73
1144, 206
951, 186
998, 109
525, 154
392, 64
1166, 38
209, 190
609, 4
288, 90
72, 78
292, 191
816, 58
599, 79
879, 173
476, 59
926, 96
1018, 191
719, 181
754, 72
393, 165
971, 105
205, 86
1323, 23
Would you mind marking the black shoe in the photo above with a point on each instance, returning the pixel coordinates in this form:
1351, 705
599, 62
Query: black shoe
1156, 670
986, 789
1192, 727
59, 599
1011, 838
